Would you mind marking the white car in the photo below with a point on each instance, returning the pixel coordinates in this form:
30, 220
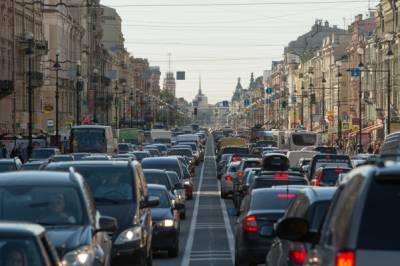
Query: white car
227, 179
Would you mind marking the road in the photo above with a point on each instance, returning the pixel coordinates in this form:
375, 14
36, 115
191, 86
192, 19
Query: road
207, 236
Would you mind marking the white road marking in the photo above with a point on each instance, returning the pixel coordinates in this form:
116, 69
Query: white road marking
192, 230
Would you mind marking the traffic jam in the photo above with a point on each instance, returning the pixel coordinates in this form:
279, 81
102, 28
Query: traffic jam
134, 197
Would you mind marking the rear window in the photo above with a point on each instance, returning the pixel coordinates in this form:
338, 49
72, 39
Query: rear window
251, 164
180, 152
326, 150
272, 200
158, 179
330, 176
265, 183
380, 219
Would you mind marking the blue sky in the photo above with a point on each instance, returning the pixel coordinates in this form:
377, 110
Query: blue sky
222, 42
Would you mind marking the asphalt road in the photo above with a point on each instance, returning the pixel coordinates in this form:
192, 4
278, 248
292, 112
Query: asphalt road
207, 233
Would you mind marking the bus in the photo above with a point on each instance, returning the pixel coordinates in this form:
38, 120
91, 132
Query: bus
92, 139
294, 140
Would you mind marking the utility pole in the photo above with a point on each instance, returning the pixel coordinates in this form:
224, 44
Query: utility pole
57, 67
78, 93
30, 52
339, 121
323, 102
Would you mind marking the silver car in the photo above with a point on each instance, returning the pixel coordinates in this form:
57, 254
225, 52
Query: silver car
228, 177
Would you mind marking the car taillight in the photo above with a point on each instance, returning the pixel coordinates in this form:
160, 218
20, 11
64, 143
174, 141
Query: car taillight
250, 224
281, 176
228, 178
345, 258
298, 257
286, 196
240, 174
236, 159
338, 170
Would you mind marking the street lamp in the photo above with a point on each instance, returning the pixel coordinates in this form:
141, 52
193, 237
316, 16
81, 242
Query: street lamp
389, 57
79, 87
57, 66
116, 102
312, 97
95, 74
30, 52
131, 102
323, 102
360, 52
339, 121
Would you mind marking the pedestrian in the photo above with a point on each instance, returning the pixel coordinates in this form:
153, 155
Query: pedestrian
370, 149
377, 148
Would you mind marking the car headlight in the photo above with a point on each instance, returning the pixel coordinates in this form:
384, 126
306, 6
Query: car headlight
187, 183
79, 257
129, 235
166, 223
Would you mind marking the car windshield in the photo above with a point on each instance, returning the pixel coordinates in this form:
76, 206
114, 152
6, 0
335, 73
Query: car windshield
7, 167
46, 205
159, 178
107, 183
42, 154
20, 251
162, 195
174, 177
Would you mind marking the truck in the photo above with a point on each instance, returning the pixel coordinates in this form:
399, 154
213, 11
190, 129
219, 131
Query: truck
161, 136
131, 135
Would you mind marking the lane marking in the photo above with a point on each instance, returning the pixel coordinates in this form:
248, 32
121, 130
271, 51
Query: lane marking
228, 228
192, 228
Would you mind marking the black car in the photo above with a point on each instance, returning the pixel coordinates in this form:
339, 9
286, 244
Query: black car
311, 204
166, 224
9, 165
161, 177
119, 190
63, 204
255, 225
27, 244
325, 160
267, 179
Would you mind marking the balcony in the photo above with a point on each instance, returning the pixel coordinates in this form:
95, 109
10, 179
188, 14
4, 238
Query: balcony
6, 88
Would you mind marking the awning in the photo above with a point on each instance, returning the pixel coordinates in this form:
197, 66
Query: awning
367, 130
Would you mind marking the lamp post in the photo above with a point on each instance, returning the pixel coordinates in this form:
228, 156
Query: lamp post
95, 74
389, 57
323, 102
78, 92
29, 52
360, 52
302, 101
339, 121
57, 67
124, 103
311, 98
131, 102
116, 102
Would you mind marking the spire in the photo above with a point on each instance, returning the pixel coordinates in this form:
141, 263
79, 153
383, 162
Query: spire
200, 92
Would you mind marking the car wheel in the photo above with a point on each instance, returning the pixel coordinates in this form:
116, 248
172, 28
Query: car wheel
173, 252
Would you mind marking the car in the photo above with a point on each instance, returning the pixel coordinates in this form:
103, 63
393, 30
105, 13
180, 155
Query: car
165, 220
119, 190
243, 188
61, 202
183, 151
27, 244
361, 224
163, 148
171, 164
180, 193
124, 148
35, 165
227, 179
233, 150
8, 165
97, 157
254, 229
41, 154
140, 155
61, 158
267, 179
124, 157
325, 160
328, 176
160, 177
153, 151
311, 204
326, 150
222, 163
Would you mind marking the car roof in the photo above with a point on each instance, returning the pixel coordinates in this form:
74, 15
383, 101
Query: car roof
319, 193
154, 171
108, 163
160, 159
35, 178
20, 229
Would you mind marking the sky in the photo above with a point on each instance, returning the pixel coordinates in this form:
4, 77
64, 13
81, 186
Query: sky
221, 40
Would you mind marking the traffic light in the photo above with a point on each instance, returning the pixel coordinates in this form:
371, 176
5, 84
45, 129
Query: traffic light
195, 111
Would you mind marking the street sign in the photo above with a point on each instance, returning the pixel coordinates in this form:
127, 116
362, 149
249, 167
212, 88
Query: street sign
246, 102
50, 123
355, 72
268, 90
225, 104
294, 99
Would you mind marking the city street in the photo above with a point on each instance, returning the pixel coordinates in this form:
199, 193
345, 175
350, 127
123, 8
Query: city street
207, 236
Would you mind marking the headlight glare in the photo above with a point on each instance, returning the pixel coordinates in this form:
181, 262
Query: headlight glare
129, 235
82, 256
166, 223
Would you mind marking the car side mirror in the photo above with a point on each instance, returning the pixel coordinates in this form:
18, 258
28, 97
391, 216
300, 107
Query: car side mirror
151, 202
293, 229
107, 224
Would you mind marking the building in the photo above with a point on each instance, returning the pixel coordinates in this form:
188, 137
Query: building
170, 83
